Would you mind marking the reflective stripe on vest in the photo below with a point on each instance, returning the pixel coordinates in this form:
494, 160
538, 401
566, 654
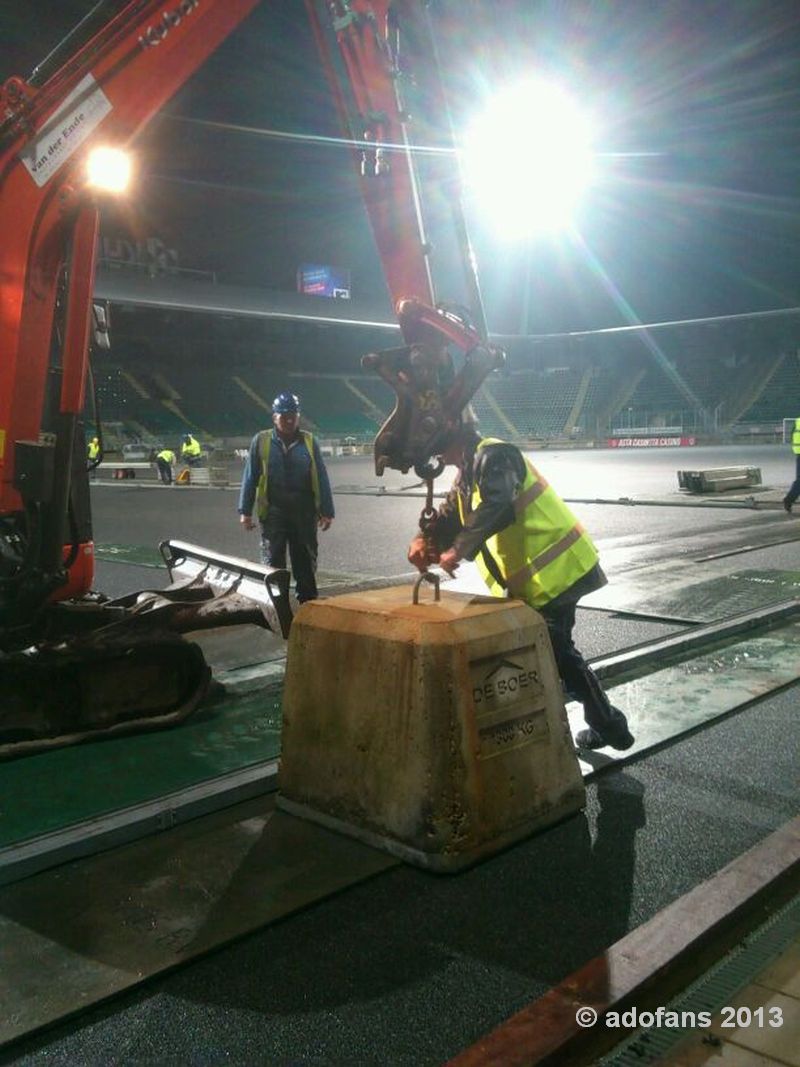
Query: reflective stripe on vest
544, 552
796, 437
264, 446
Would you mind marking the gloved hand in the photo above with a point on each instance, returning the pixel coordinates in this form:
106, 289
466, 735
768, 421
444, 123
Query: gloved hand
449, 561
421, 553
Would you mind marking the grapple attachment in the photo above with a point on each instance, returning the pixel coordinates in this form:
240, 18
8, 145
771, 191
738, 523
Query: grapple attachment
430, 394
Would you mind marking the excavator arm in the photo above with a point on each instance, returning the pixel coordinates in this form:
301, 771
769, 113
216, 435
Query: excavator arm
380, 60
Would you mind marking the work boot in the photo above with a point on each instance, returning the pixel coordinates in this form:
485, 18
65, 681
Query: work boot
787, 504
591, 739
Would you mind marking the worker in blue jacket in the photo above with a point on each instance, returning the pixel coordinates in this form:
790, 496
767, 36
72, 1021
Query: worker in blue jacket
285, 480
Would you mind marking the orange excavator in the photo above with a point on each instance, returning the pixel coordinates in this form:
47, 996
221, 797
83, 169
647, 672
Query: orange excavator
74, 664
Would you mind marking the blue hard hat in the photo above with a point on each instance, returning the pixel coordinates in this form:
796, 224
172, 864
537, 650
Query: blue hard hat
284, 403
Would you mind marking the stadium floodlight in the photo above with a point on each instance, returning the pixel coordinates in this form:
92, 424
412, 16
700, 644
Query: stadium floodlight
527, 159
108, 169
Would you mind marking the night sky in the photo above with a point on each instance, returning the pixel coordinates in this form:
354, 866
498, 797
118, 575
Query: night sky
697, 108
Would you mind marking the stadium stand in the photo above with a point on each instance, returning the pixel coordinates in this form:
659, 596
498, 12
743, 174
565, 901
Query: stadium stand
705, 373
656, 401
536, 403
488, 412
142, 415
380, 395
608, 390
779, 395
215, 403
332, 407
217, 376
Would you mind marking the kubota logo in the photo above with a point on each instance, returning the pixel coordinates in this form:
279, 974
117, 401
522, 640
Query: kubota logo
154, 35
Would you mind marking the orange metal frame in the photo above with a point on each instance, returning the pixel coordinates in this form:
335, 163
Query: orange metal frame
105, 93
374, 115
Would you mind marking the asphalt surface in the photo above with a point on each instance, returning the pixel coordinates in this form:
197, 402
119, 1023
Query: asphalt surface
409, 968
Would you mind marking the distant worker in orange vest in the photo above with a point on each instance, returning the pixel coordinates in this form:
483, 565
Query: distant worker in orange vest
527, 544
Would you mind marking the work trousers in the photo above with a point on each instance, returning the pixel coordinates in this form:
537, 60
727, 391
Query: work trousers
294, 526
794, 488
164, 470
578, 677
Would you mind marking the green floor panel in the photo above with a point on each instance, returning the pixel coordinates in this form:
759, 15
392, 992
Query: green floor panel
733, 594
57, 789
141, 555
665, 703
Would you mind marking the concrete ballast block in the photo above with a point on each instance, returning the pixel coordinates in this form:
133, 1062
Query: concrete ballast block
436, 731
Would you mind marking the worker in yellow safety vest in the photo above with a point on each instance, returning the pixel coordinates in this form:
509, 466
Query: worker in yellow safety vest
502, 513
794, 488
165, 460
93, 449
191, 452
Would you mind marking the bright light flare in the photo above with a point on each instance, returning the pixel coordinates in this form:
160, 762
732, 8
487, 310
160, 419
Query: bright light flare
109, 169
528, 159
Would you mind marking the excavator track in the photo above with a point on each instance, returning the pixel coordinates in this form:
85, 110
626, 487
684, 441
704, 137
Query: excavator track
95, 667
121, 679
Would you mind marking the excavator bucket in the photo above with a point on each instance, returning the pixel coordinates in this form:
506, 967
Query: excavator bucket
123, 677
237, 585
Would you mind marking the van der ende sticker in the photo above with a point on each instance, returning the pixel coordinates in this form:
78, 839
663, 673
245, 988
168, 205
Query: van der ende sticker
64, 132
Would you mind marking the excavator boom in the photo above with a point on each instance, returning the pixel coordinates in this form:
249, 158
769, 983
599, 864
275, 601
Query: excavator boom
381, 63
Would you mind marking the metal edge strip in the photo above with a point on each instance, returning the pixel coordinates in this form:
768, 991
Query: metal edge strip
128, 824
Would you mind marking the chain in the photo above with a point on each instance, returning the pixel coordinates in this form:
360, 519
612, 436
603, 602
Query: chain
427, 516
427, 519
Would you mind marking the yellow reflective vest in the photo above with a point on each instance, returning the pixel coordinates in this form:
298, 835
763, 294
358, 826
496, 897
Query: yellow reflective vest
264, 447
191, 448
544, 552
796, 437
94, 448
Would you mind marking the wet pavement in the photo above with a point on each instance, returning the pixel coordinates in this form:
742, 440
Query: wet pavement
407, 967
